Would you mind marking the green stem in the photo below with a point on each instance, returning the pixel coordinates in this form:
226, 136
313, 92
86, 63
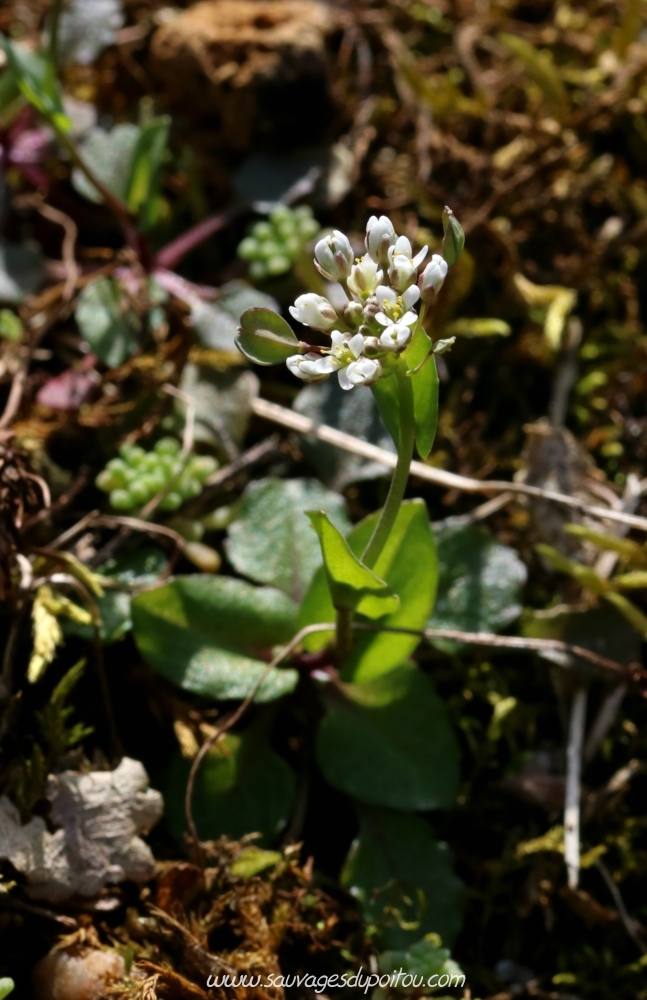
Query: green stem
400, 475
52, 56
344, 633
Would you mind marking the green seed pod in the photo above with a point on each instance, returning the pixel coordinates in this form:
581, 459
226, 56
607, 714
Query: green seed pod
204, 557
107, 481
121, 500
139, 492
167, 446
454, 238
132, 454
308, 228
262, 231
189, 487
258, 270
248, 249
171, 501
278, 265
202, 467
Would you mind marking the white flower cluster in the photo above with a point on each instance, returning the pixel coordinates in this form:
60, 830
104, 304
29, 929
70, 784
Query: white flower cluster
378, 319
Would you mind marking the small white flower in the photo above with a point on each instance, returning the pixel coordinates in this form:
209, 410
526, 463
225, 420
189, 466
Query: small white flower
334, 256
308, 367
403, 266
396, 308
364, 278
345, 348
432, 278
365, 371
402, 246
314, 311
396, 336
380, 235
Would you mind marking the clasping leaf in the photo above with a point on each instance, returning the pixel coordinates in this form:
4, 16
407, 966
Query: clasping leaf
352, 585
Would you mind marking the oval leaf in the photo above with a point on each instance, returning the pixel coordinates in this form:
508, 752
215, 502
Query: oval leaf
389, 742
204, 633
265, 338
403, 879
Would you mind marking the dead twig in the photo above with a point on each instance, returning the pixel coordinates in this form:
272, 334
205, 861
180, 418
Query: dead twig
512, 642
449, 480
573, 786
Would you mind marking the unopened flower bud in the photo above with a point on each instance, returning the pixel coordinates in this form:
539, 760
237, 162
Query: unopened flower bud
334, 256
314, 311
380, 235
353, 313
431, 279
371, 309
402, 272
307, 367
454, 238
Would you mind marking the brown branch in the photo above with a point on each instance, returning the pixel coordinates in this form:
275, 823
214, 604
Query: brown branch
512, 642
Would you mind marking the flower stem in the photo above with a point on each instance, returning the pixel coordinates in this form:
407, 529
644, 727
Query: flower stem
400, 475
343, 633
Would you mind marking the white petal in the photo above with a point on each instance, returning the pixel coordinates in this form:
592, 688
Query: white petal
385, 293
343, 379
418, 259
402, 245
356, 345
383, 319
410, 296
337, 339
409, 318
324, 366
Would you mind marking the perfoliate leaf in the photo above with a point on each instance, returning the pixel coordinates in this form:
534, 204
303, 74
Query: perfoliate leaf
385, 392
265, 338
424, 383
352, 585
408, 565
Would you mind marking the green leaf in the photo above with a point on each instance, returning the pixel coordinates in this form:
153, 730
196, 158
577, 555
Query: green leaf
385, 393
6, 987
425, 958
11, 327
351, 584
408, 565
242, 787
425, 393
21, 271
265, 338
403, 879
480, 581
272, 541
37, 83
143, 187
204, 633
109, 154
253, 861
389, 742
111, 331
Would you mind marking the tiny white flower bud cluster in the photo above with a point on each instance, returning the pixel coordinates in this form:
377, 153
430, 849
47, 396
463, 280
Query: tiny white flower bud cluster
378, 321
